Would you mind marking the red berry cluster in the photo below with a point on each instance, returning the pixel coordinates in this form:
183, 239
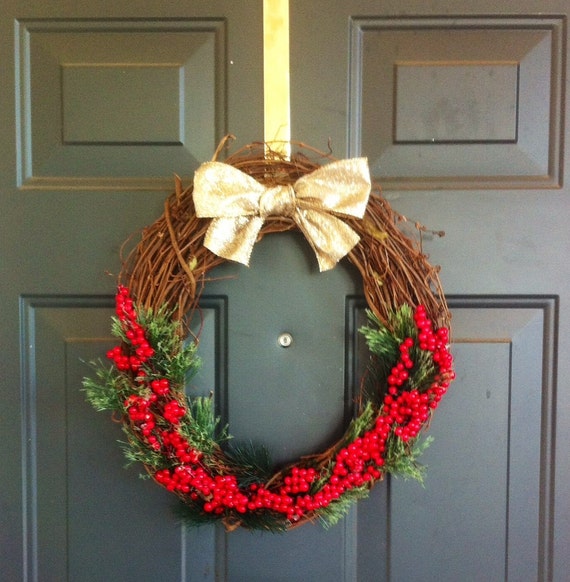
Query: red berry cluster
138, 409
399, 373
160, 387
435, 342
173, 412
143, 411
218, 493
299, 480
134, 332
353, 466
156, 413
290, 497
175, 445
409, 410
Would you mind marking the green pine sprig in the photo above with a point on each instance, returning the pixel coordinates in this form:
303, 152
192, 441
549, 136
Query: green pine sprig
174, 358
383, 343
339, 508
401, 459
268, 521
137, 452
106, 390
202, 427
251, 462
191, 514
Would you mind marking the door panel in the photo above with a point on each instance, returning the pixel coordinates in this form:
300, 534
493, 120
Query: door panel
404, 86
73, 528
482, 160
101, 105
488, 484
430, 95
107, 103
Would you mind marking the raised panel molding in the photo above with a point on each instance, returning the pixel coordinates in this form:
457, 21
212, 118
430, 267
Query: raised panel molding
528, 325
117, 104
458, 103
488, 485
70, 451
505, 507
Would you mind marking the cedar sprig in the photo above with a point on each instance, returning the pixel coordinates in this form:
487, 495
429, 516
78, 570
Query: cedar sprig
401, 459
202, 427
136, 451
384, 340
174, 358
105, 390
380, 340
383, 343
339, 508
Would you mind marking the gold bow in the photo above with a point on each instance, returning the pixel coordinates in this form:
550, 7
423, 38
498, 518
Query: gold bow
239, 205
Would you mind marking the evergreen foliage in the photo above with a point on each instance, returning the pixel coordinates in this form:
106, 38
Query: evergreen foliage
152, 390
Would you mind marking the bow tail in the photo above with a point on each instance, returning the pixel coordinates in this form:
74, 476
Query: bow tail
233, 237
329, 236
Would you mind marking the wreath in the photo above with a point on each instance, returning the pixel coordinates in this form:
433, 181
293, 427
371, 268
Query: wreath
179, 439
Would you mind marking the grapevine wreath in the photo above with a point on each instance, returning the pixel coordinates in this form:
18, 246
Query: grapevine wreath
179, 439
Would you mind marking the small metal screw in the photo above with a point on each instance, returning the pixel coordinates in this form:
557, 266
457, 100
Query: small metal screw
285, 340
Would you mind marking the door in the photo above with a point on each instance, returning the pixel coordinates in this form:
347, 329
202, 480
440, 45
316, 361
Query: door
460, 110
461, 115
102, 105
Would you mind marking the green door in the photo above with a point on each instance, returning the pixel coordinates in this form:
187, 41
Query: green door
461, 115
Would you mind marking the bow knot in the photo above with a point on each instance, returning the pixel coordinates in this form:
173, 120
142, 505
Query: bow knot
277, 201
239, 205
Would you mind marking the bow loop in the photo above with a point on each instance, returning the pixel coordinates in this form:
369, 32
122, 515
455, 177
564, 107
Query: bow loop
238, 205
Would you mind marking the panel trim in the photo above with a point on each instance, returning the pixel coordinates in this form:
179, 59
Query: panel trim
219, 305
550, 307
32, 174
355, 304
30, 306
553, 175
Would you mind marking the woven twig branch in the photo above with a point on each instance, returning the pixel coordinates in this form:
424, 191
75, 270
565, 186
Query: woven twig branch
170, 264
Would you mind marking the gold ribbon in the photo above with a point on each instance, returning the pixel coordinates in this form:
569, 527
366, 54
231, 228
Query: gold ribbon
239, 205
